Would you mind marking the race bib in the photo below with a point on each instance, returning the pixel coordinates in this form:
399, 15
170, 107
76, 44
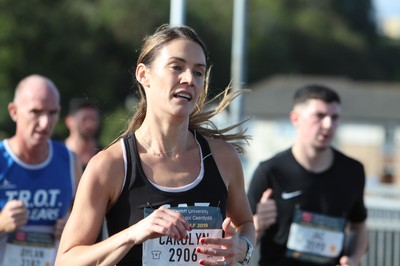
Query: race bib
29, 249
205, 221
315, 237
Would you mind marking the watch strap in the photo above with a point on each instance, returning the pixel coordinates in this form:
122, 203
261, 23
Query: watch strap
249, 251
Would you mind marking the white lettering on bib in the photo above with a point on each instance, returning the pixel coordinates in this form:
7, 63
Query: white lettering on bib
205, 221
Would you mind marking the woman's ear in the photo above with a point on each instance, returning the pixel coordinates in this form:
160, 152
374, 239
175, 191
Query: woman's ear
142, 75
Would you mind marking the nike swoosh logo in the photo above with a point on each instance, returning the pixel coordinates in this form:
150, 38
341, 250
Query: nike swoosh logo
290, 195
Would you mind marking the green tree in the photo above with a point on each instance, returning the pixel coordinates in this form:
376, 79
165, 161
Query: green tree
314, 37
89, 47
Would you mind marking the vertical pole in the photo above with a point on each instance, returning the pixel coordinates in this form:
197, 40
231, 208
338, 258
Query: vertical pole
239, 63
177, 14
238, 56
389, 154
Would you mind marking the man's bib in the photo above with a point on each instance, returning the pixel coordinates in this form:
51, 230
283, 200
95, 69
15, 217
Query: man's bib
315, 237
30, 249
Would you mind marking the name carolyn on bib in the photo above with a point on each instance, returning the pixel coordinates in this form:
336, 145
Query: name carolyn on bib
205, 221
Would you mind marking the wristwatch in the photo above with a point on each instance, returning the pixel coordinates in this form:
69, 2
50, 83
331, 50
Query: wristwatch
249, 253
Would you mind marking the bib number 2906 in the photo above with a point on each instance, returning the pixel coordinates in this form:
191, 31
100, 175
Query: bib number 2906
182, 254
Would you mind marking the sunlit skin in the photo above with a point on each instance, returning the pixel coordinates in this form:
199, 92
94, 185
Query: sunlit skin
179, 69
83, 126
35, 110
173, 83
316, 122
86, 122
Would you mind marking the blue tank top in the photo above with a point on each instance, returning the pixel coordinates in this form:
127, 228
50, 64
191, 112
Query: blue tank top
46, 188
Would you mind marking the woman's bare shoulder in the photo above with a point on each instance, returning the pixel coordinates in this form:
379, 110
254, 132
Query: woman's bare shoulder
227, 159
222, 148
106, 169
108, 158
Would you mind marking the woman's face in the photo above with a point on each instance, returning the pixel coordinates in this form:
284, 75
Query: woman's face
176, 78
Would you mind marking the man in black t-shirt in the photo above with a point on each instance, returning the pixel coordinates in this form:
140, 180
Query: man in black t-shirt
307, 201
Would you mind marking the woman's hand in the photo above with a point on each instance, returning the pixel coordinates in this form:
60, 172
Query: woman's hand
227, 251
162, 222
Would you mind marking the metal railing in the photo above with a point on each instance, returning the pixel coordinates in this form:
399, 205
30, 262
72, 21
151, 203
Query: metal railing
383, 203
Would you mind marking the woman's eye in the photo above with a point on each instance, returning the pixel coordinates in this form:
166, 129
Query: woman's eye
198, 73
177, 68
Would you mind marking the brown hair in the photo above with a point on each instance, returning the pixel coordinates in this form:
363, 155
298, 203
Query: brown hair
199, 120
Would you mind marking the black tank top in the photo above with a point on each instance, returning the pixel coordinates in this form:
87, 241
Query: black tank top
138, 193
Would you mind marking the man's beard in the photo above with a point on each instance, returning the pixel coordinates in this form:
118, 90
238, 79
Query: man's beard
84, 135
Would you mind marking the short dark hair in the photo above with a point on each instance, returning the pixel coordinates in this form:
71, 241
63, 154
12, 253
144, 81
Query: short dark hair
315, 91
77, 104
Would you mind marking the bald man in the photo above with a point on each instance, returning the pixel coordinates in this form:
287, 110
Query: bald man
38, 177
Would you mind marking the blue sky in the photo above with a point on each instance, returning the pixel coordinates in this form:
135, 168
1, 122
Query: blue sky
388, 17
387, 8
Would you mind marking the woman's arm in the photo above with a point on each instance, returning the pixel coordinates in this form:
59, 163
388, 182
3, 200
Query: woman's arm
239, 223
98, 190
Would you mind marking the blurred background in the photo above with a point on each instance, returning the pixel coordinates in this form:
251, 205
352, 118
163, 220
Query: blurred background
89, 49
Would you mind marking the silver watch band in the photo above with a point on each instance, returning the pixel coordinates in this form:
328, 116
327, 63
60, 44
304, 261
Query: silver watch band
249, 251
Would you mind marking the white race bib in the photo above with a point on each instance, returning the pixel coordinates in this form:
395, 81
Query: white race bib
29, 249
205, 221
315, 237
